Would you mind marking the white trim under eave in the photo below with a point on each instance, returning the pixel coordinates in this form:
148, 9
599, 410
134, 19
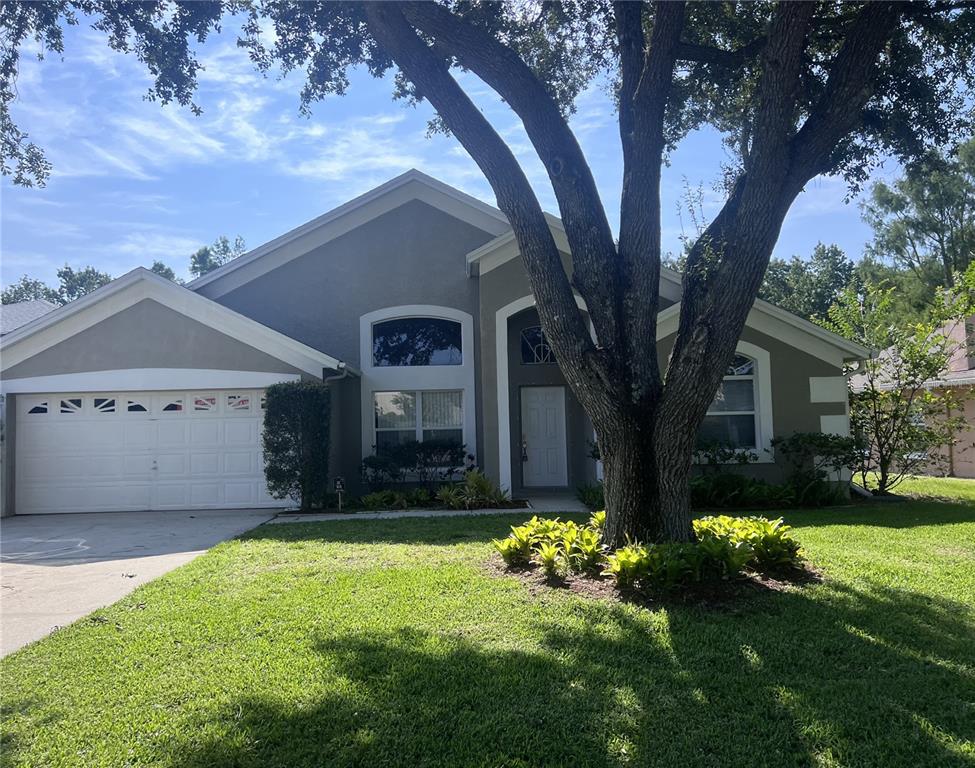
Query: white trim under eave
782, 325
141, 284
136, 379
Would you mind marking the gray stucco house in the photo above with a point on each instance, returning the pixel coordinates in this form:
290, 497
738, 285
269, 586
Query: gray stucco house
412, 301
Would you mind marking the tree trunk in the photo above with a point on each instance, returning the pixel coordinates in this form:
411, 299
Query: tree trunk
646, 473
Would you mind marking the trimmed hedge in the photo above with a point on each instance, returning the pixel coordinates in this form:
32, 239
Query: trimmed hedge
296, 440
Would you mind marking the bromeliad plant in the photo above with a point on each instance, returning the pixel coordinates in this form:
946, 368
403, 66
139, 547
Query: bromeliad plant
725, 547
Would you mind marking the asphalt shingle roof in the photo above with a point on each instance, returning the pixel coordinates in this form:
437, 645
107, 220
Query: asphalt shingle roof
12, 316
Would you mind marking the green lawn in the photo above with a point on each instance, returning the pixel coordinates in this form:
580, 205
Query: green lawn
379, 643
939, 487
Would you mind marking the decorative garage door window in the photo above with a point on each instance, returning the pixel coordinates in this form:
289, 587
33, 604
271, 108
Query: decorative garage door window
104, 404
535, 347
731, 420
71, 405
239, 403
402, 417
36, 407
174, 405
137, 406
417, 341
204, 403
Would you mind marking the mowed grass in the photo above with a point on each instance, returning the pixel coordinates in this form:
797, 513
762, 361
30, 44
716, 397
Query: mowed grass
388, 643
951, 488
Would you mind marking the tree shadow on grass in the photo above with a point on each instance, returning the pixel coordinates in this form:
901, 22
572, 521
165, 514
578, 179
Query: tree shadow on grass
414, 530
884, 515
866, 677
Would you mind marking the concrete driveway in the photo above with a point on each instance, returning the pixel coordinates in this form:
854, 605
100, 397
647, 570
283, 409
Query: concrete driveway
57, 568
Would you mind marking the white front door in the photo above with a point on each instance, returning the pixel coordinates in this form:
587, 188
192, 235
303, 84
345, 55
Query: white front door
140, 450
543, 437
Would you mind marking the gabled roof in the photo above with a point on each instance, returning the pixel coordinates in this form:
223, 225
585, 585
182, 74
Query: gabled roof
123, 292
785, 326
13, 316
412, 185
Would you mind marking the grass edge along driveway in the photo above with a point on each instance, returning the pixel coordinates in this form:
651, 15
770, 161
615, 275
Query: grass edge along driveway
389, 643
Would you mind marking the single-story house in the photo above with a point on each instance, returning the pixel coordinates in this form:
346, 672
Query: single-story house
412, 302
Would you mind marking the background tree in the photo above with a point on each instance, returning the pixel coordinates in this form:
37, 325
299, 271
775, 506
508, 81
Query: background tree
925, 220
75, 283
29, 289
902, 421
808, 287
72, 284
164, 271
797, 89
209, 257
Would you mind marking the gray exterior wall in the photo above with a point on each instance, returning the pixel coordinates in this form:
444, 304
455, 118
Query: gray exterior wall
792, 410
414, 254
147, 335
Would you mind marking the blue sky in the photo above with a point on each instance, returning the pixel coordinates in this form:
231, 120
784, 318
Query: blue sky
134, 181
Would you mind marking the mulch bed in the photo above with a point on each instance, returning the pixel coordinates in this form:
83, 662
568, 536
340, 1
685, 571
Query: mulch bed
715, 594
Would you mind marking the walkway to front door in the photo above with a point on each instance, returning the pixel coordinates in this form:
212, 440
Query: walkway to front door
544, 462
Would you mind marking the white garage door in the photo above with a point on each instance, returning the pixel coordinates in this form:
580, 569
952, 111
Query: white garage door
140, 450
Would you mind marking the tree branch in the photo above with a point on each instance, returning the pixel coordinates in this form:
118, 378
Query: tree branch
707, 54
645, 80
553, 295
587, 228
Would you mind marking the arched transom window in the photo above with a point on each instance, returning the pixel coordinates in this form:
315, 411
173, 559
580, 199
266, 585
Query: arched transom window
535, 347
417, 341
732, 419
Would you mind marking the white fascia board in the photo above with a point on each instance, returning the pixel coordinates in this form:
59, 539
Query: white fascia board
145, 379
412, 185
768, 319
140, 284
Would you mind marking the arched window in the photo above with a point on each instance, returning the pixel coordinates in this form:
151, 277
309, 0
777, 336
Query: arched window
732, 418
417, 341
535, 347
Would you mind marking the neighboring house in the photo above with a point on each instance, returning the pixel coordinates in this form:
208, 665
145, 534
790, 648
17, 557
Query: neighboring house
12, 316
412, 302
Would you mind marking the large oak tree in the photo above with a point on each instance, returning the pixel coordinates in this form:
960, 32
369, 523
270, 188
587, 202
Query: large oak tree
798, 90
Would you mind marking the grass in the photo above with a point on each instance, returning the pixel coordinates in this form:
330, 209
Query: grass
951, 488
387, 643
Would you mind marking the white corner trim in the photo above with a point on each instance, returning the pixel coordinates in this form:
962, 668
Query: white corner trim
412, 185
835, 425
501, 367
134, 379
765, 429
828, 389
792, 330
140, 284
436, 377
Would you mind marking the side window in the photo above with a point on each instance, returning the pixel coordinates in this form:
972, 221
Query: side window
732, 417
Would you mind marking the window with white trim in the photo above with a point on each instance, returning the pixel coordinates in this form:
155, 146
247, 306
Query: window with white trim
404, 416
732, 418
417, 341
535, 348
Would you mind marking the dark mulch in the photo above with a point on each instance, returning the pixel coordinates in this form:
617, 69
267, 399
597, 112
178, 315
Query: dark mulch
707, 593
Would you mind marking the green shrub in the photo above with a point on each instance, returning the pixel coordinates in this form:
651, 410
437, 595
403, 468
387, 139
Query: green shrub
295, 442
592, 496
769, 542
584, 549
734, 491
628, 565
550, 557
812, 456
597, 521
475, 492
513, 552
426, 463
379, 500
